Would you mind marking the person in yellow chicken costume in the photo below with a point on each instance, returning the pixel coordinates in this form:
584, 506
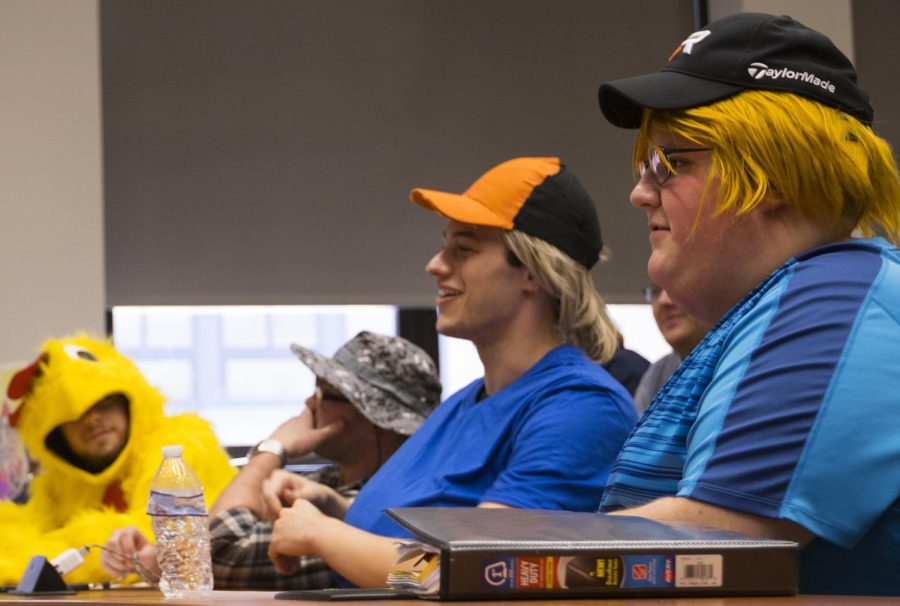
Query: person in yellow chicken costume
96, 428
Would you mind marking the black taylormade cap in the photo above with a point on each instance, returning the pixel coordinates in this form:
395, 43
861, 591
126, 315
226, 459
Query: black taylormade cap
747, 51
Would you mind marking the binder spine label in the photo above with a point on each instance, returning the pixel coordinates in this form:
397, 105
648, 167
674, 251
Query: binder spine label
577, 573
698, 570
498, 573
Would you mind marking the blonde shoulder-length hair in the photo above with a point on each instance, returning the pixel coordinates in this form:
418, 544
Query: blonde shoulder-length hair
581, 312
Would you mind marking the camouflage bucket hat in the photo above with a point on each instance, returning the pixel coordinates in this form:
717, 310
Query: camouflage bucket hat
392, 382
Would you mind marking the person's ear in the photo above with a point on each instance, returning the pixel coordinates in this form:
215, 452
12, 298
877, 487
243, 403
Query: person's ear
774, 201
530, 284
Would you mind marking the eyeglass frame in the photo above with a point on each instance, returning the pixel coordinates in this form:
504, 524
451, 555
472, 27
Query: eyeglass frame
334, 396
659, 157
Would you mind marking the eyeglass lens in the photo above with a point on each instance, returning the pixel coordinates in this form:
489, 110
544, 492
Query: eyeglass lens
657, 162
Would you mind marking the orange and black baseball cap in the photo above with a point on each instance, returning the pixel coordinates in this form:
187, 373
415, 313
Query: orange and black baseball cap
537, 196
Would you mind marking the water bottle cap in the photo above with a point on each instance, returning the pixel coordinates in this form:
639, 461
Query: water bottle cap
171, 451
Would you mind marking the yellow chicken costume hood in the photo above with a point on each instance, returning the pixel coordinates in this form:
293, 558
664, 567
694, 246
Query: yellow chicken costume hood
69, 506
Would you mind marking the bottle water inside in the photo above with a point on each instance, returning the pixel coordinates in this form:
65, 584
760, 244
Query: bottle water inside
180, 526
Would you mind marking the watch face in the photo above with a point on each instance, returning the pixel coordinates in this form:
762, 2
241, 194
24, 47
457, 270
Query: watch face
271, 446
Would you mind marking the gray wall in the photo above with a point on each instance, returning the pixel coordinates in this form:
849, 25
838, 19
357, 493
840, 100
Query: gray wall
877, 46
262, 152
51, 197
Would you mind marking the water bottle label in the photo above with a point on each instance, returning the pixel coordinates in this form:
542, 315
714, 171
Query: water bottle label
166, 504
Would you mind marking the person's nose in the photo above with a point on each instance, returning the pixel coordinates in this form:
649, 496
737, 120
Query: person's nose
645, 193
438, 265
92, 418
664, 298
312, 403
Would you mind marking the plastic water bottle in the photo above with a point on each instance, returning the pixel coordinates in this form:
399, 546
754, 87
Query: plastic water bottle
180, 525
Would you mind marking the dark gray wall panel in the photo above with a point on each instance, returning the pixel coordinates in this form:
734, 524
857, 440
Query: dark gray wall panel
876, 43
261, 151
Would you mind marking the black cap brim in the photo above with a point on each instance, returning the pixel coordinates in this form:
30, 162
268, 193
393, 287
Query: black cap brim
623, 101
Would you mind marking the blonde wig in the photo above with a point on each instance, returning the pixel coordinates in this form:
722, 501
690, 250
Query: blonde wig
812, 156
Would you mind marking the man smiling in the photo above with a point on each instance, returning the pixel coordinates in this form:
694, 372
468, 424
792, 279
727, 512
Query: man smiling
783, 421
99, 435
542, 427
96, 427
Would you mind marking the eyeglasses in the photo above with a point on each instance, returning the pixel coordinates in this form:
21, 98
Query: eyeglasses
658, 163
651, 293
331, 396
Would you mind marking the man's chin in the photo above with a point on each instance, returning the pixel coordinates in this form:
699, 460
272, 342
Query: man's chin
102, 457
449, 329
661, 272
96, 464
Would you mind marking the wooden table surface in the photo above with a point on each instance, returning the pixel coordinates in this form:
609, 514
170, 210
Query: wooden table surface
126, 597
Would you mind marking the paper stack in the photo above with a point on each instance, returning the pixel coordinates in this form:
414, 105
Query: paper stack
418, 568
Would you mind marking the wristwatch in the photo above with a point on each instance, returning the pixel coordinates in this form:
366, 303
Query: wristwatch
272, 446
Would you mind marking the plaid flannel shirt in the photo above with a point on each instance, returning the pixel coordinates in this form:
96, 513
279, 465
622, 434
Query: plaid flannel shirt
239, 540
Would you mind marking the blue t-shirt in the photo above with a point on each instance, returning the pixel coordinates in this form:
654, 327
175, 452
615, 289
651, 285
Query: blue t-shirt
799, 418
546, 441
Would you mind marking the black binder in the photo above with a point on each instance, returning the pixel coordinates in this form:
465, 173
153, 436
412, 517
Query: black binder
521, 553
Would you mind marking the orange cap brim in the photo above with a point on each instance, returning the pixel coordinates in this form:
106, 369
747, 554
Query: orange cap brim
459, 208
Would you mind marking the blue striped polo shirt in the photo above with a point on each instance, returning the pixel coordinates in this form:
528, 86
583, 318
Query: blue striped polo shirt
790, 408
